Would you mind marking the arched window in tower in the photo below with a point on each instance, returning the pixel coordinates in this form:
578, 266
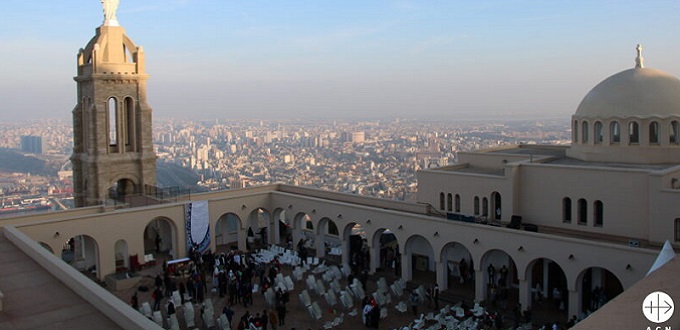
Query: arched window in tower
582, 212
598, 213
599, 136
113, 121
441, 201
584, 132
457, 202
674, 132
615, 132
654, 132
449, 202
476, 205
574, 133
676, 230
129, 121
633, 132
566, 209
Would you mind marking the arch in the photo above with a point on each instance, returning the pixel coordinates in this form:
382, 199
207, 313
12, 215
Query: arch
327, 233
385, 252
547, 281
654, 132
598, 213
633, 132
441, 201
46, 246
160, 237
120, 253
596, 286
584, 132
258, 228
456, 260
457, 203
496, 205
449, 202
566, 209
284, 228
614, 132
485, 207
574, 133
227, 232
582, 209
420, 260
354, 238
476, 205
674, 132
304, 233
82, 252
499, 275
122, 189
599, 135
129, 113
112, 120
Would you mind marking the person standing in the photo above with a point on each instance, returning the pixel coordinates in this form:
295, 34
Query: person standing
157, 296
134, 301
281, 310
435, 296
413, 300
273, 319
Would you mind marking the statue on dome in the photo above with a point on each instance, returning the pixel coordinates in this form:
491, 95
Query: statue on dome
639, 60
110, 7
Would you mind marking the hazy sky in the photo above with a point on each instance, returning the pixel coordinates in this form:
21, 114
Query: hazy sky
341, 59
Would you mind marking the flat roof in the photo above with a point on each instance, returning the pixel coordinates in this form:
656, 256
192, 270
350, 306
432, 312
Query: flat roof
35, 299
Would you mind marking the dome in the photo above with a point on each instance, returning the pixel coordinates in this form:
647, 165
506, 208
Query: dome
639, 92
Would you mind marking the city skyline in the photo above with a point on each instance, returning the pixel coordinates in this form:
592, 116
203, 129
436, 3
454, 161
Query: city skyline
214, 59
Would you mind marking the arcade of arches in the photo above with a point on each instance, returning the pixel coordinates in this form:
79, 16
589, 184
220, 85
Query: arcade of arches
461, 265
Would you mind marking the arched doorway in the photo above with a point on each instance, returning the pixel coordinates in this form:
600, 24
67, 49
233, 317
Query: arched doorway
282, 230
499, 275
385, 252
160, 238
82, 252
496, 205
258, 229
354, 238
121, 255
459, 275
548, 288
596, 287
328, 239
226, 232
121, 189
420, 260
303, 235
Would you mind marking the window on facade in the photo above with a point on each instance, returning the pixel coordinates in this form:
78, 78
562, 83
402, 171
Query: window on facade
457, 203
584, 132
574, 133
449, 202
653, 132
614, 132
441, 201
633, 132
476, 205
674, 130
566, 209
598, 132
598, 212
129, 120
485, 207
113, 122
582, 212
677, 230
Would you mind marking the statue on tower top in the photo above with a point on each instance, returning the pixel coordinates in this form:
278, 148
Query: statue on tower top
110, 7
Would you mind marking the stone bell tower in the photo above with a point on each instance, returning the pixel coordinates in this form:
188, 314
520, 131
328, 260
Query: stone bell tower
113, 154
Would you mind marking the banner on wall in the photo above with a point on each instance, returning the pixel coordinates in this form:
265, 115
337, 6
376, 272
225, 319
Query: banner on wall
197, 225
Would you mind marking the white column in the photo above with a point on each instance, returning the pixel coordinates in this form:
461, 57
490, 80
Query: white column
406, 266
524, 294
374, 257
440, 268
345, 251
320, 243
480, 286
574, 303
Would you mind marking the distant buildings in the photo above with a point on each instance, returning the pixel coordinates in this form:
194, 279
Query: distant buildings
31, 144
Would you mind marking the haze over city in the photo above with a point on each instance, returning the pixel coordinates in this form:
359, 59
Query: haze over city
349, 59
